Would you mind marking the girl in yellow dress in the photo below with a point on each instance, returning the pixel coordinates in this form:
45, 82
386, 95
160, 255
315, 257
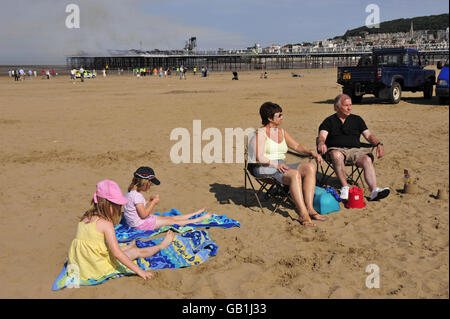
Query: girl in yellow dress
95, 250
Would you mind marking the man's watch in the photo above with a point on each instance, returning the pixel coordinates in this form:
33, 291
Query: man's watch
379, 143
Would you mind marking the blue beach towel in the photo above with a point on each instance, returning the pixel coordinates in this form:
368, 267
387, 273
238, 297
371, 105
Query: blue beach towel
186, 250
124, 233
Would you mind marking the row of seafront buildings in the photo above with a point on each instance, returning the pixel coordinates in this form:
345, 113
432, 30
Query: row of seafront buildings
423, 40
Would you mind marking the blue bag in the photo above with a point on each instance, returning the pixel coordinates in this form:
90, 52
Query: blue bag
325, 201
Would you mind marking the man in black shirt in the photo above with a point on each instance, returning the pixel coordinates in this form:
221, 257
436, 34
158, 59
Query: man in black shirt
339, 135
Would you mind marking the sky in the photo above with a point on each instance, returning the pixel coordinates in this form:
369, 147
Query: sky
35, 31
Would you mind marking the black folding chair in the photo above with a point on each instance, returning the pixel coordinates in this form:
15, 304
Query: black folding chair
269, 187
353, 178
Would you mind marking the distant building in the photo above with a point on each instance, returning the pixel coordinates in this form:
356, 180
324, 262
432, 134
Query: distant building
255, 49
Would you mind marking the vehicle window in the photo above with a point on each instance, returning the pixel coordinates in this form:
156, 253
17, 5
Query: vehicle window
365, 61
406, 59
389, 59
415, 60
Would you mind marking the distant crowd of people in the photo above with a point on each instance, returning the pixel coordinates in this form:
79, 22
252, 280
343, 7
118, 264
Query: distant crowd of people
141, 72
81, 73
21, 74
163, 73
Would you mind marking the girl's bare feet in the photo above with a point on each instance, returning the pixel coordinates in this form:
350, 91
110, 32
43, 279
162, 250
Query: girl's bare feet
187, 216
201, 210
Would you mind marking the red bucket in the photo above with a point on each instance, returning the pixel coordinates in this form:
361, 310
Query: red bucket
355, 198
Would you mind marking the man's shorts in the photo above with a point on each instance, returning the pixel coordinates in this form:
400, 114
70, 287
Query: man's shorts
351, 155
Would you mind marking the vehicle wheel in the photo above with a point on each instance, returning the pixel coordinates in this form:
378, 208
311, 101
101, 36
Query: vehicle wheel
396, 93
428, 90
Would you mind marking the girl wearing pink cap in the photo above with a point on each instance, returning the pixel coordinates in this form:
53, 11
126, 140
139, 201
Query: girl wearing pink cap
138, 211
95, 249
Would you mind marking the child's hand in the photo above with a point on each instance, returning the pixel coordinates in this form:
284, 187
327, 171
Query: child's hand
154, 198
145, 274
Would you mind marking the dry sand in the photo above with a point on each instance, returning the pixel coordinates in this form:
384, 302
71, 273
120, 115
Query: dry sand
59, 139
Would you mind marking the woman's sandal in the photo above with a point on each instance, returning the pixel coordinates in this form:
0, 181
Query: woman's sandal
307, 223
314, 216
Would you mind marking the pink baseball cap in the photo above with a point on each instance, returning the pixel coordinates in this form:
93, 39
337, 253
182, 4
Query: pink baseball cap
111, 191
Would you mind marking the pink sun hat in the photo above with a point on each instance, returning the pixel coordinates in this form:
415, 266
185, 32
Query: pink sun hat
109, 190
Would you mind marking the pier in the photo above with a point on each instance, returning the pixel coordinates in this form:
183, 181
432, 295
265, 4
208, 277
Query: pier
232, 62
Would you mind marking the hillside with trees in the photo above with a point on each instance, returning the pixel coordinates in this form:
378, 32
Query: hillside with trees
432, 23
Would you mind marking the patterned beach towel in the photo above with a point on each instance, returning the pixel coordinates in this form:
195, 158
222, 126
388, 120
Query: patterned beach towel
190, 247
124, 233
187, 249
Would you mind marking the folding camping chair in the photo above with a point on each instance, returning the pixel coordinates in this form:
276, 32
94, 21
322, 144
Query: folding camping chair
269, 187
353, 178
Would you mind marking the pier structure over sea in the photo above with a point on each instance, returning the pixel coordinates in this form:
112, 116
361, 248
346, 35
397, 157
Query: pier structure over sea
216, 61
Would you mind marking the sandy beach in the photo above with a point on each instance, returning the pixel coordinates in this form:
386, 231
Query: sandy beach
58, 139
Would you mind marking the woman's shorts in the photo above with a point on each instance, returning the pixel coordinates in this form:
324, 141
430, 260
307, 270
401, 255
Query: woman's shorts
148, 224
270, 171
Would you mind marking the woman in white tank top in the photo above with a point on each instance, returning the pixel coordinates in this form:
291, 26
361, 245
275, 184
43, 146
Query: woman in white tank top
272, 145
